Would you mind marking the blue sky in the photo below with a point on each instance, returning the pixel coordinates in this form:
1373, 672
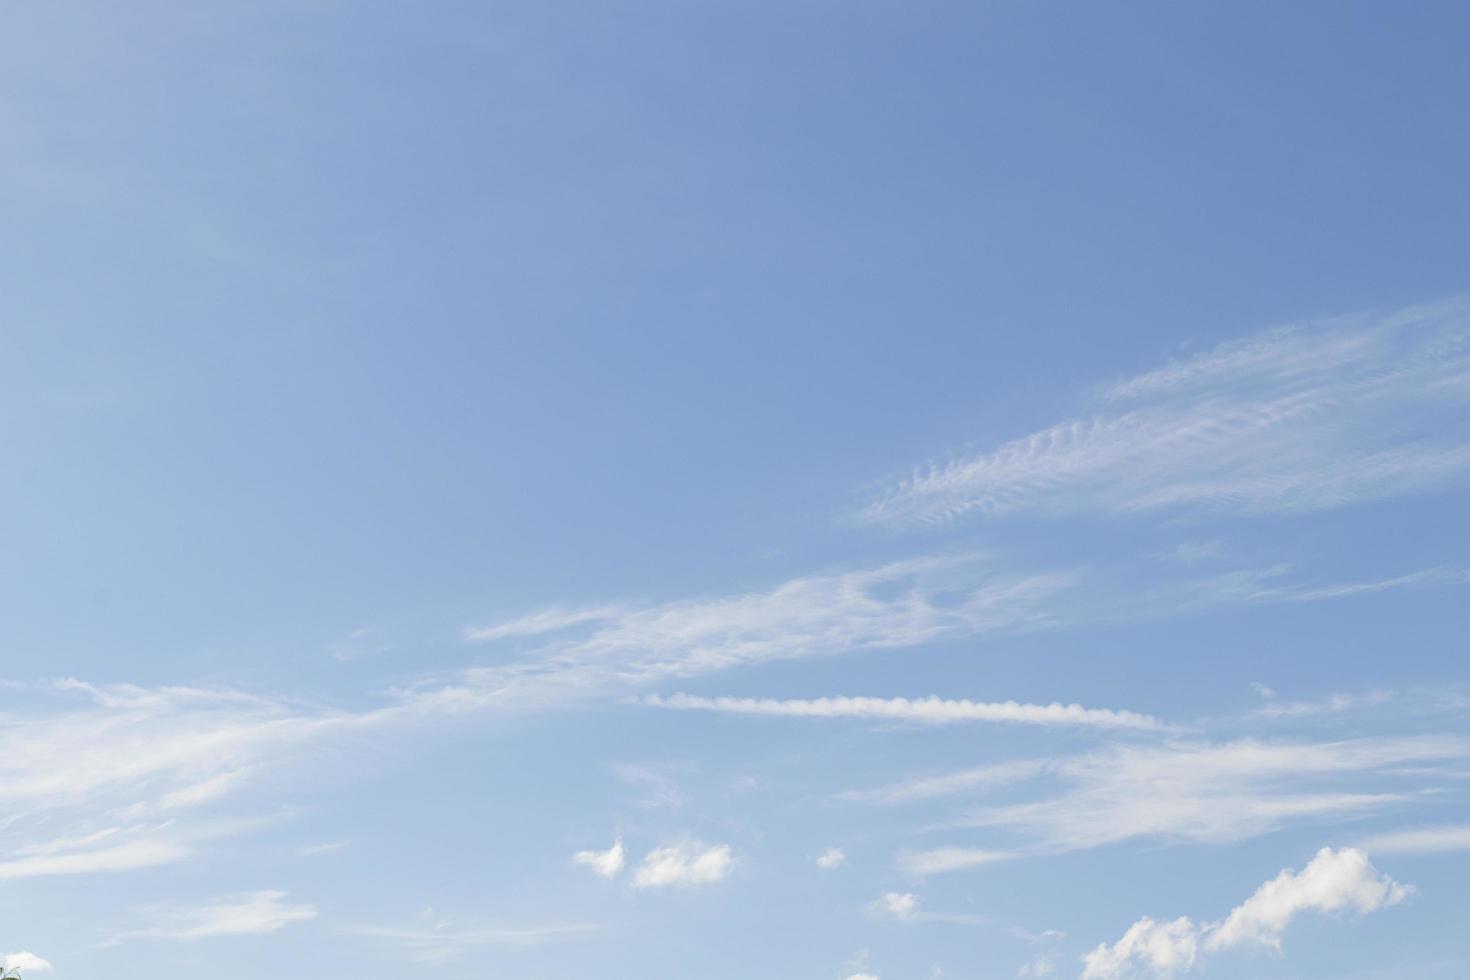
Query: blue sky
734, 490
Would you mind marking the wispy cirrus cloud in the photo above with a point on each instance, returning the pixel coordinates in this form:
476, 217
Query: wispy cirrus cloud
1218, 792
1182, 791
566, 654
436, 940
931, 710
252, 913
1421, 840
1288, 420
890, 606
1332, 882
944, 859
110, 779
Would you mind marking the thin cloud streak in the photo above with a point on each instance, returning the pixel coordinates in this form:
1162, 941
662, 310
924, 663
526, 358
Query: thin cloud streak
253, 913
438, 941
1421, 840
931, 710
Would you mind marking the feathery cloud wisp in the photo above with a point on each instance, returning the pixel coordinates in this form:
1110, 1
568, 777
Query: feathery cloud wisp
1216, 792
1421, 840
234, 915
1288, 420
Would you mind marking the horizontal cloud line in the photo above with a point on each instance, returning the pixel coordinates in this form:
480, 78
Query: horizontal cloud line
931, 710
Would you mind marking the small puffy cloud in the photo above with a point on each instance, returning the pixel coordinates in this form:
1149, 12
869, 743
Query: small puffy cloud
1333, 881
685, 863
863, 976
24, 962
1165, 947
831, 858
605, 863
903, 906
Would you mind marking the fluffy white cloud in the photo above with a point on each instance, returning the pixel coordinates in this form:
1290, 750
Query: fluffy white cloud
1166, 948
234, 915
832, 857
685, 863
605, 863
1333, 881
24, 962
1295, 419
903, 906
930, 710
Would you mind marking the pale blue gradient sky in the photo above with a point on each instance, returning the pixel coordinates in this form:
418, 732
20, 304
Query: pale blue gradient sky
396, 397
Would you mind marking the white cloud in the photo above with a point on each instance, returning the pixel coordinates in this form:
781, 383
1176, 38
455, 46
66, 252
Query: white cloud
106, 779
64, 856
897, 605
903, 906
1333, 881
24, 962
1421, 840
620, 649
1295, 419
929, 787
831, 858
1218, 792
539, 623
662, 790
862, 976
605, 863
930, 710
252, 913
1166, 948
942, 859
437, 941
685, 863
